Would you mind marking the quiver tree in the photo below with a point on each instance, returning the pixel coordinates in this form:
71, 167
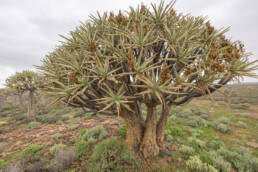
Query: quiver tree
116, 63
25, 81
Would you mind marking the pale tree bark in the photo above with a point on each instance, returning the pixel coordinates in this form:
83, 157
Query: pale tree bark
145, 137
149, 146
161, 126
20, 102
31, 109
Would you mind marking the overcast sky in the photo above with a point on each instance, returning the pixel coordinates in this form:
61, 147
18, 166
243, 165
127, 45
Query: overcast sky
29, 29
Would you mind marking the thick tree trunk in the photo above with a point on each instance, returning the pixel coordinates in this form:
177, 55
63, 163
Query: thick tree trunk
134, 129
31, 110
149, 146
146, 139
161, 126
21, 102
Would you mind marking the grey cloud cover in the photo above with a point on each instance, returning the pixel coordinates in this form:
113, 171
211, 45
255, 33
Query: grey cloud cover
29, 28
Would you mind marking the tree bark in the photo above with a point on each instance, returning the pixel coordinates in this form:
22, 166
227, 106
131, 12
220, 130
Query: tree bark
31, 110
161, 126
149, 146
146, 139
134, 129
21, 102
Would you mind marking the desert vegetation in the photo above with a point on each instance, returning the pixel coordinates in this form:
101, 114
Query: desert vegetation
142, 90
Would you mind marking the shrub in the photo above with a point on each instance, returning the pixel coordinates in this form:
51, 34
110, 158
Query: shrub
56, 148
223, 128
198, 111
32, 152
4, 164
171, 119
223, 125
81, 133
47, 119
94, 134
196, 143
196, 132
196, 122
34, 124
82, 147
219, 163
186, 150
195, 164
174, 131
243, 161
62, 160
20, 117
7, 107
243, 107
80, 113
205, 157
111, 155
65, 117
223, 120
184, 113
59, 122
57, 136
216, 144
241, 124
72, 126
122, 131
246, 115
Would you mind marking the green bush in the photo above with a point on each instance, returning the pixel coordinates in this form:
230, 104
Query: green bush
57, 136
196, 132
186, 150
205, 157
34, 124
32, 152
122, 131
219, 163
20, 117
223, 128
197, 144
195, 164
196, 122
7, 107
57, 147
47, 119
82, 147
242, 160
216, 144
198, 111
242, 107
174, 131
111, 155
4, 164
171, 120
246, 115
59, 122
72, 126
65, 117
81, 133
223, 125
94, 134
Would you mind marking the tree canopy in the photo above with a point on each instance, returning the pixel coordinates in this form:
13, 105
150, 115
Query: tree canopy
148, 55
23, 81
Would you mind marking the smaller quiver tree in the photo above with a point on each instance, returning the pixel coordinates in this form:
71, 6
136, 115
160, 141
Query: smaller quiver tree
25, 81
